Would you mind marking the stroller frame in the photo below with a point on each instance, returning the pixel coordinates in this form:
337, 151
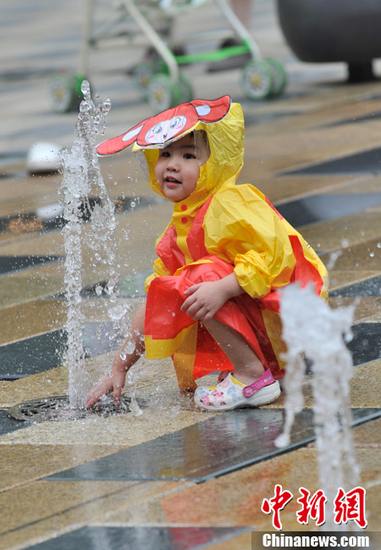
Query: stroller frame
161, 81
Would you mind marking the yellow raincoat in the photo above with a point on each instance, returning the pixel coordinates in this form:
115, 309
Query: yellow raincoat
221, 227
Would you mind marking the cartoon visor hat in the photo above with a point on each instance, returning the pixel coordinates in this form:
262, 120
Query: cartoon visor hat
158, 131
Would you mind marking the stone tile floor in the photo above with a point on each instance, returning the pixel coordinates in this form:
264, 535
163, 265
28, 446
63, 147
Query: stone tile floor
85, 483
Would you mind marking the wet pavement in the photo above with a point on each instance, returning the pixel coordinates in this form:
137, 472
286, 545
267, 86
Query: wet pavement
173, 478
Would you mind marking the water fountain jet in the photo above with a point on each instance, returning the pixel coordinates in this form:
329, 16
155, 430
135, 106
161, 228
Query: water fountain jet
312, 330
82, 179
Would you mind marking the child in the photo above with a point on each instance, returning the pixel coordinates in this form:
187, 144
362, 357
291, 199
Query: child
213, 298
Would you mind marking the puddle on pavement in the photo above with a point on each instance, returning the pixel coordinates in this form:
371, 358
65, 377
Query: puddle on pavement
147, 538
211, 448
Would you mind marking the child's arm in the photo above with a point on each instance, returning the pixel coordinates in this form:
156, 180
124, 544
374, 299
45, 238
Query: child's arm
115, 381
205, 299
242, 227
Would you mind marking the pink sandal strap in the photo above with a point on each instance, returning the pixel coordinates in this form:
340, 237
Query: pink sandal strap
265, 380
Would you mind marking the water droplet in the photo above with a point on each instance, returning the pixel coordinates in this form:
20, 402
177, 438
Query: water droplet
84, 107
282, 440
85, 88
129, 347
106, 105
116, 313
134, 407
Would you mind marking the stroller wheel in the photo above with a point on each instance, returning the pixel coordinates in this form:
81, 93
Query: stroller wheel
65, 92
163, 93
257, 80
279, 80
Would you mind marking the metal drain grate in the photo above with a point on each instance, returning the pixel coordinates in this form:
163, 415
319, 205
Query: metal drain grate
57, 408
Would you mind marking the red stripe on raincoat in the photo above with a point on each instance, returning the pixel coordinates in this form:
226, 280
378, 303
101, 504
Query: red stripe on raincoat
304, 273
168, 250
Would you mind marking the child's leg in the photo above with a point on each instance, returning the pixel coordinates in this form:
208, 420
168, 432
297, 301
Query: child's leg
251, 385
247, 366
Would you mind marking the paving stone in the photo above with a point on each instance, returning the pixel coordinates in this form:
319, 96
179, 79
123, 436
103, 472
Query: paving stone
282, 188
37, 386
8, 424
317, 208
367, 308
32, 502
63, 506
235, 499
20, 464
31, 318
359, 257
147, 538
49, 217
368, 161
45, 351
30, 284
370, 117
368, 435
366, 343
345, 277
368, 287
213, 448
243, 541
31, 355
333, 235
15, 263
42, 510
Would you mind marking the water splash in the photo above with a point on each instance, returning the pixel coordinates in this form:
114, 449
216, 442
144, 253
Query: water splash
83, 179
312, 330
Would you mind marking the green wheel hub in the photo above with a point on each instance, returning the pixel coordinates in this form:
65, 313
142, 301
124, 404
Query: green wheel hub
264, 79
257, 80
65, 92
164, 93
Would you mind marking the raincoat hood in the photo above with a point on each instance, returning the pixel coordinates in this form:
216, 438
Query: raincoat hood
220, 119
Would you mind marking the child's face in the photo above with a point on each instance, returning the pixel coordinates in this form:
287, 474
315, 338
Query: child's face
178, 167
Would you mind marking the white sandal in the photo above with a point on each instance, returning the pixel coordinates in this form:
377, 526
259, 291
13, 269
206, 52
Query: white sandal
230, 393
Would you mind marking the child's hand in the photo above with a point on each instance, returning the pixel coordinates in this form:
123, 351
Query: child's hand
204, 300
113, 382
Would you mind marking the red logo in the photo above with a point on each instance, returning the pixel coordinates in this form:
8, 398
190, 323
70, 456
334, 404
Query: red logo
348, 506
275, 504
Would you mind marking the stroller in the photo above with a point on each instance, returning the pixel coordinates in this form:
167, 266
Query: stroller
160, 76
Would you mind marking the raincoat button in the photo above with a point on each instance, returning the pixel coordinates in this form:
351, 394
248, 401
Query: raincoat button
184, 219
184, 207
